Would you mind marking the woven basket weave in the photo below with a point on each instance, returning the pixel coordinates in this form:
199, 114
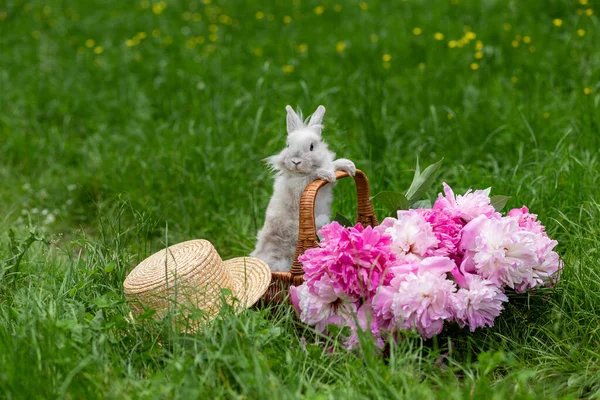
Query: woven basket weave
307, 233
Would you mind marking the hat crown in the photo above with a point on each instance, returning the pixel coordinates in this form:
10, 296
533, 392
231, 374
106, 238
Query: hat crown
175, 264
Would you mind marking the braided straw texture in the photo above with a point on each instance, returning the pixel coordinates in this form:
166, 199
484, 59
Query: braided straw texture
307, 234
191, 275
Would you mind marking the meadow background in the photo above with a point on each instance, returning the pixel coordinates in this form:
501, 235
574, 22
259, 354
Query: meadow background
126, 125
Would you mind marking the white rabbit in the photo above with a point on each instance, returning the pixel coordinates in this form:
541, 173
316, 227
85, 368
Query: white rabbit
305, 159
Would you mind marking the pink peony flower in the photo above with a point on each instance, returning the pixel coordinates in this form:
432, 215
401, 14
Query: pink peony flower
497, 250
321, 309
527, 222
446, 227
364, 321
412, 236
417, 299
468, 206
478, 304
355, 260
548, 263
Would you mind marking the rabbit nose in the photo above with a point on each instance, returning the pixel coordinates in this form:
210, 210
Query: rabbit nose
296, 162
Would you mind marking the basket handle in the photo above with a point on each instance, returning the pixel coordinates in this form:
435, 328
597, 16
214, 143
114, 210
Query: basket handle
307, 234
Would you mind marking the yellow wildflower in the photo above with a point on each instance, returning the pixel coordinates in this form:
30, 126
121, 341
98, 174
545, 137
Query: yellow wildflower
532, 49
421, 65
557, 21
187, 15
302, 48
450, 116
90, 43
167, 41
470, 35
213, 37
515, 43
364, 6
144, 4
386, 57
580, 32
338, 8
287, 19
583, 2
213, 28
438, 36
130, 43
479, 55
288, 69
589, 12
514, 79
259, 15
474, 66
546, 115
507, 27
156, 32
374, 38
452, 44
417, 31
3, 15
340, 47
190, 43
99, 50
587, 91
478, 45
257, 51
158, 8
319, 10
197, 17
142, 35
526, 39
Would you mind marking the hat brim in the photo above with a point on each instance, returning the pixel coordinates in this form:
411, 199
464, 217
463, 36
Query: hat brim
251, 278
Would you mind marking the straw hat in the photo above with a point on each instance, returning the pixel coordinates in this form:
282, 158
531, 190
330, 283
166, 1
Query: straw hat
191, 275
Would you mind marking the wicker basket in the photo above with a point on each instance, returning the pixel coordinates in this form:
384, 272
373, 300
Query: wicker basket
307, 233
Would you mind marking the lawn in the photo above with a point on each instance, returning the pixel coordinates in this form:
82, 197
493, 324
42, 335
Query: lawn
128, 125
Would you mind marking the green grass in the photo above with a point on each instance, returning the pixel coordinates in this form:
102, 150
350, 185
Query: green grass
104, 156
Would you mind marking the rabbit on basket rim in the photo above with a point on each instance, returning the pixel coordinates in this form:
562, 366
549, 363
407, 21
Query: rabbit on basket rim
305, 159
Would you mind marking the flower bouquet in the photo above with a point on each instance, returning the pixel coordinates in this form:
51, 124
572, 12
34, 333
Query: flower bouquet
450, 262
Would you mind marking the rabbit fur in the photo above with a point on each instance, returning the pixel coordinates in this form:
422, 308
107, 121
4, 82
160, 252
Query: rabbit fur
305, 159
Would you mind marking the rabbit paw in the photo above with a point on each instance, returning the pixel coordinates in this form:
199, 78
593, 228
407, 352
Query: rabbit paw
325, 174
343, 164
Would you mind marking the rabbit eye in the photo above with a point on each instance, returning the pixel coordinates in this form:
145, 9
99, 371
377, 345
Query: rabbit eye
312, 146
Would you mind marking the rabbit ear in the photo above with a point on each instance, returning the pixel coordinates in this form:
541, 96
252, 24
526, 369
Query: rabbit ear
316, 120
294, 122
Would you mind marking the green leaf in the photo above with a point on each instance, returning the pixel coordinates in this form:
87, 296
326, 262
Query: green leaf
421, 204
343, 221
392, 201
109, 267
422, 181
498, 202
